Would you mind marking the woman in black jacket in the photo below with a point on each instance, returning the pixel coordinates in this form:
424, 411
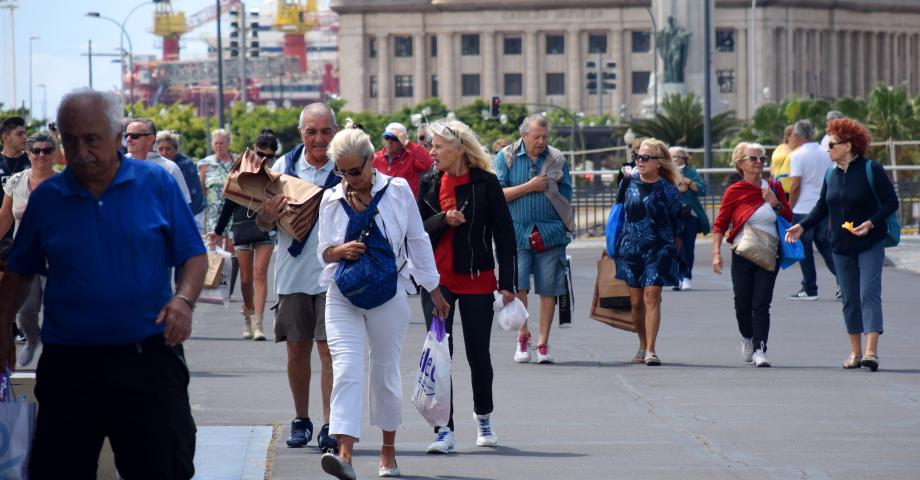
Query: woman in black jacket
858, 197
464, 212
252, 246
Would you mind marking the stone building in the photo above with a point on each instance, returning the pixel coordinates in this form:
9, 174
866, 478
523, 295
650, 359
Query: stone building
399, 52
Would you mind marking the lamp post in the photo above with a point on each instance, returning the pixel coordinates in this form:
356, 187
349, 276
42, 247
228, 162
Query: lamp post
655, 54
121, 45
44, 100
753, 73
31, 40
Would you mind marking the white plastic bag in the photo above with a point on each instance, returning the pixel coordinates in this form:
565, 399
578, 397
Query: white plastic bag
431, 395
221, 294
17, 427
511, 316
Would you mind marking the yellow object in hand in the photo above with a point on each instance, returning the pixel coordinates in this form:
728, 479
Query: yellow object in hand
848, 226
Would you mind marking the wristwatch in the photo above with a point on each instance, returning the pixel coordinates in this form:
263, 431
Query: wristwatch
185, 299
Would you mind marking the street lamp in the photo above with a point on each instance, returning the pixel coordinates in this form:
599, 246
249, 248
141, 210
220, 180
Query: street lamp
655, 54
44, 100
31, 39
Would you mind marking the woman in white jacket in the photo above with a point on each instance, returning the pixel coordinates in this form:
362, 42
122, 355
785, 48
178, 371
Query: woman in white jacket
383, 327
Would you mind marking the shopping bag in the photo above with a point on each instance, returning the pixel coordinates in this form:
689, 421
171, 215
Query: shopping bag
614, 225
789, 253
215, 267
220, 292
510, 316
431, 395
17, 427
567, 299
614, 293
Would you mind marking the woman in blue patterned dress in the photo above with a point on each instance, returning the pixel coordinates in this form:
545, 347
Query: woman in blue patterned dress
647, 250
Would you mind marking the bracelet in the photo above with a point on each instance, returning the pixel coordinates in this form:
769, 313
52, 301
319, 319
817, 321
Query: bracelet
185, 299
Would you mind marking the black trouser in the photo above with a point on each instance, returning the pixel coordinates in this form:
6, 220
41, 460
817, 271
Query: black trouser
753, 288
476, 317
688, 244
820, 237
136, 395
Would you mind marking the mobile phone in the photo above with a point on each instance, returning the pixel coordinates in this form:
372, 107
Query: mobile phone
52, 126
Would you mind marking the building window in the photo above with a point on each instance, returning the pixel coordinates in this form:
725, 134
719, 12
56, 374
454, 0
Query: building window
726, 79
512, 45
514, 84
470, 84
402, 46
555, 84
725, 40
641, 42
597, 43
555, 44
372, 47
434, 85
640, 81
373, 87
403, 84
434, 46
469, 45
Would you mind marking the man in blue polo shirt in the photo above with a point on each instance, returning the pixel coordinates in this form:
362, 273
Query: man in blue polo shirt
105, 232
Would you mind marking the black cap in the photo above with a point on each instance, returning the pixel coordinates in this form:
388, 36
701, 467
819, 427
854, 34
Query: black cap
12, 123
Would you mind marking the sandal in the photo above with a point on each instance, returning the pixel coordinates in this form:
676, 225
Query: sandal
870, 361
853, 361
639, 358
652, 360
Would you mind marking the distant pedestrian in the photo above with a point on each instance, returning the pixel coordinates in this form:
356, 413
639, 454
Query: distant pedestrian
167, 145
13, 159
106, 232
499, 144
422, 137
691, 187
750, 204
858, 197
401, 157
807, 165
213, 172
464, 211
831, 115
41, 148
647, 253
140, 135
779, 161
393, 227
538, 188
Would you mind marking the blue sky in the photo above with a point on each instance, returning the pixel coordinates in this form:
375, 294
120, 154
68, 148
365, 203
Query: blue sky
64, 30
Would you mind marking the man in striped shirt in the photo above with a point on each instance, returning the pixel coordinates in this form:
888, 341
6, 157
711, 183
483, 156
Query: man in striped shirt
538, 188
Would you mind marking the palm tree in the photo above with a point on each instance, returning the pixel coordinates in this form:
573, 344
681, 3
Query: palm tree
679, 121
890, 113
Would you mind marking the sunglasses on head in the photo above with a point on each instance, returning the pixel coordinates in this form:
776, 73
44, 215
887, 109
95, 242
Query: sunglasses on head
135, 136
46, 150
756, 158
646, 158
351, 172
264, 155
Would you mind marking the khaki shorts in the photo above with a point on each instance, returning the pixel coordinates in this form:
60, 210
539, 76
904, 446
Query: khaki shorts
300, 317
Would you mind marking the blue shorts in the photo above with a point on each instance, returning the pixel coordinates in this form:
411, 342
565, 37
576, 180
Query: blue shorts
548, 269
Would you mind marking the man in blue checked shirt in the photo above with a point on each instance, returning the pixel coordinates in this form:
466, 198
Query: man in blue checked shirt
538, 188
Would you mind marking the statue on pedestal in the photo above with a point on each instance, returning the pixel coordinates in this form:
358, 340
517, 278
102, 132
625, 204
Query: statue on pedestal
672, 42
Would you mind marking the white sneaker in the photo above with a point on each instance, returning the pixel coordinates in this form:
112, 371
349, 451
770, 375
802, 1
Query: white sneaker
685, 284
486, 436
760, 359
443, 441
28, 352
543, 355
522, 349
747, 349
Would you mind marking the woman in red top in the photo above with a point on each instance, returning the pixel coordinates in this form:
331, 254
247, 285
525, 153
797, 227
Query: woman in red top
754, 203
464, 211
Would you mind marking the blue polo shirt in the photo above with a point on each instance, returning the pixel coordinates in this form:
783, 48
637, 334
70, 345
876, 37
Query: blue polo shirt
107, 260
534, 208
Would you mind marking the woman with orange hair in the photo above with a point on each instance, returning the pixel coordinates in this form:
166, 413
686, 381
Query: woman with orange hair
859, 198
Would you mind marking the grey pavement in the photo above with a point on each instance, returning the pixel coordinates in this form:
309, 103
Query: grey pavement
703, 414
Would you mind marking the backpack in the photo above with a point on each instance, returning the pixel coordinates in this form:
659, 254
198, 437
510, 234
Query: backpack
371, 279
893, 237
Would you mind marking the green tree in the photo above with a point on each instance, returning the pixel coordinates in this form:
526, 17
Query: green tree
181, 118
679, 121
890, 113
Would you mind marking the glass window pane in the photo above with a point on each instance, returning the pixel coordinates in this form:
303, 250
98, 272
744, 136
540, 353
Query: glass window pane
641, 42
470, 85
555, 44
555, 84
469, 44
514, 84
597, 43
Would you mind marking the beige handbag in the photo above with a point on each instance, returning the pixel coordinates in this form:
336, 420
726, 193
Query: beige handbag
758, 247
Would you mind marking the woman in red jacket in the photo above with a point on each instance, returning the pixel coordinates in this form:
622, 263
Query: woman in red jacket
749, 204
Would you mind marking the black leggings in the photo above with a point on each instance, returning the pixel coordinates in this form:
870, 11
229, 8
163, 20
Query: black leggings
476, 318
753, 293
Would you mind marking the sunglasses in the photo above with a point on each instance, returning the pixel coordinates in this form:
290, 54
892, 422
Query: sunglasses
831, 145
351, 172
755, 158
264, 155
645, 158
46, 150
135, 136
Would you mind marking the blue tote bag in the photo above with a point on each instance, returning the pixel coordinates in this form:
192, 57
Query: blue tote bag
614, 225
789, 253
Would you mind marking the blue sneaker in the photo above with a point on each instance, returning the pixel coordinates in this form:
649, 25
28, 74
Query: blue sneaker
301, 433
326, 443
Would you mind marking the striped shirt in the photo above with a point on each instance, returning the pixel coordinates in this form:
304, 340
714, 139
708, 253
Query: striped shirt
533, 209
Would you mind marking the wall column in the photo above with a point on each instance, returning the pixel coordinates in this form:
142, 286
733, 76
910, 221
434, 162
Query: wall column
384, 82
419, 80
446, 71
489, 81
573, 74
531, 68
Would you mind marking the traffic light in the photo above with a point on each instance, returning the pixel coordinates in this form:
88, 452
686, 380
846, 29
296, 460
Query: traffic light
496, 106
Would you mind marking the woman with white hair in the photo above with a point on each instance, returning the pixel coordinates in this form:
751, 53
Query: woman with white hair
748, 212
464, 211
213, 171
374, 216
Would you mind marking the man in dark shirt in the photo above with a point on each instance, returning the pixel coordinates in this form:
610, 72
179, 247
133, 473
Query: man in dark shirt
13, 159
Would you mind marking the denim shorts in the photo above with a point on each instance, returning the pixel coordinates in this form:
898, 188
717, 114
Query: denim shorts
548, 269
248, 247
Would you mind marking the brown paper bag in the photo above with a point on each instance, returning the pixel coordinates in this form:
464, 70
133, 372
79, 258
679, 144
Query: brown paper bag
606, 282
215, 264
610, 286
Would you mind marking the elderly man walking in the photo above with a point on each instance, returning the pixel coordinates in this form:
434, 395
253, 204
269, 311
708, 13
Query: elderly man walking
300, 313
401, 157
105, 232
537, 185
140, 135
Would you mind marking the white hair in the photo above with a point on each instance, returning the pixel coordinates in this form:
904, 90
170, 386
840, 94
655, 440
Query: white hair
534, 118
220, 132
110, 104
316, 108
350, 142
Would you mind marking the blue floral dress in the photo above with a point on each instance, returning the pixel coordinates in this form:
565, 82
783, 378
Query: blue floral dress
645, 252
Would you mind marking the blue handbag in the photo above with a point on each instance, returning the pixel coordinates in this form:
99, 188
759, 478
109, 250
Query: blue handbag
615, 220
789, 253
370, 280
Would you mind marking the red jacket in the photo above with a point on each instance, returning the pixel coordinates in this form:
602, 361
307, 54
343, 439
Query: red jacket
411, 164
740, 201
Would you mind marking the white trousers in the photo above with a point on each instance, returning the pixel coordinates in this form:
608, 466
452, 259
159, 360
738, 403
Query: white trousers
383, 329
